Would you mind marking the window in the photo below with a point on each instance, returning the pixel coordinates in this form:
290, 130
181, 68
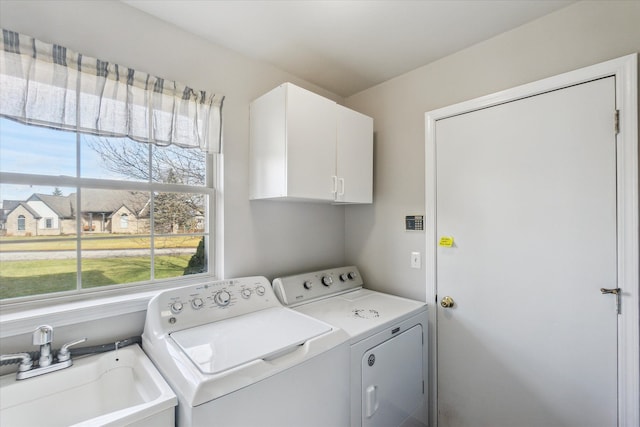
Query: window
121, 180
124, 221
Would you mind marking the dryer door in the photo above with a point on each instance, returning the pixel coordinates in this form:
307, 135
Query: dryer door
392, 387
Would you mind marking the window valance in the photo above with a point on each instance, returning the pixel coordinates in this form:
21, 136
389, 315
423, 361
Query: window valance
50, 85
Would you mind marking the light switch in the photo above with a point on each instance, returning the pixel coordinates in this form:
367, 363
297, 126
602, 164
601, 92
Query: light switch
416, 260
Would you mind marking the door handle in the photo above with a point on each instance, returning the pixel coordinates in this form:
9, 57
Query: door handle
371, 401
614, 291
447, 302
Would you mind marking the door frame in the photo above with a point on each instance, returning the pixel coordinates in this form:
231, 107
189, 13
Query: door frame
625, 69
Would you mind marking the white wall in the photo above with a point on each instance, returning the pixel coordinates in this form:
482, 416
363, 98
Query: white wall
260, 238
580, 35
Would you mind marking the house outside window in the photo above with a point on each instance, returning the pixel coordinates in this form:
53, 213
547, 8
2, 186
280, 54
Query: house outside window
124, 208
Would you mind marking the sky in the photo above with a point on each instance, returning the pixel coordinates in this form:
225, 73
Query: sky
39, 150
29, 149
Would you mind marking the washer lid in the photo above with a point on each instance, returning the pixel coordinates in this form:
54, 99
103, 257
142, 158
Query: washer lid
223, 345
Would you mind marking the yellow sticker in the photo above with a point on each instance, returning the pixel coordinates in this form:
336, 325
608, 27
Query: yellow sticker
446, 241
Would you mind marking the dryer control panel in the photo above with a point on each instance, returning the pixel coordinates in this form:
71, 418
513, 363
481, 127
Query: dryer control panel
180, 308
303, 288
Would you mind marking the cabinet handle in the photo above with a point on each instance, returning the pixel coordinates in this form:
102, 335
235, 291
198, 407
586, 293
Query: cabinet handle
335, 184
341, 193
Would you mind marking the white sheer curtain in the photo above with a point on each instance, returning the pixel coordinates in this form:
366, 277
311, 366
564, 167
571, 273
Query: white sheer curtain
50, 85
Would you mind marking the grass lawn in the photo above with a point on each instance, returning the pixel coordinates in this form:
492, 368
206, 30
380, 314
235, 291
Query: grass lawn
24, 278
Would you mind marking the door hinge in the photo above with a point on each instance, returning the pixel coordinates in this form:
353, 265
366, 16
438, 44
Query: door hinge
616, 122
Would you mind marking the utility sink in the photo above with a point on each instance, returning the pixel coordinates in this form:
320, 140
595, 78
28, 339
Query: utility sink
117, 388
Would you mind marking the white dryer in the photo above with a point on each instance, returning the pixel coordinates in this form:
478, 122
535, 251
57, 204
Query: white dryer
388, 337
235, 356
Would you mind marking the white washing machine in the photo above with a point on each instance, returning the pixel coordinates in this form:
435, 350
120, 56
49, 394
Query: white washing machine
388, 338
235, 356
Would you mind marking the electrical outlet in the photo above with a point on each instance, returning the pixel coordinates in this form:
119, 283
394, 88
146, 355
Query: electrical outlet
416, 260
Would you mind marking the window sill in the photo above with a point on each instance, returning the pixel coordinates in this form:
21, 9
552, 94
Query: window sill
76, 309
25, 321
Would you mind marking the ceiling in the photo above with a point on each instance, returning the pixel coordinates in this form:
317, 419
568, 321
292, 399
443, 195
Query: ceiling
346, 46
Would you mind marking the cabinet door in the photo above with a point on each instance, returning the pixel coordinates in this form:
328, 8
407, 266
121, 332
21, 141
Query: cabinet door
268, 147
354, 157
311, 147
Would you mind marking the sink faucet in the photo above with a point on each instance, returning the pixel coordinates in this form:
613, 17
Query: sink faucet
42, 336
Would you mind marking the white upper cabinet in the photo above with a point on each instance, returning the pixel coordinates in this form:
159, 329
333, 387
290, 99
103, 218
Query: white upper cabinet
306, 147
354, 157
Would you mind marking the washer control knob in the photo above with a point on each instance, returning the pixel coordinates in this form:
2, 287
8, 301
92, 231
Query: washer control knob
307, 284
344, 277
197, 303
176, 307
352, 275
246, 293
222, 298
327, 280
260, 290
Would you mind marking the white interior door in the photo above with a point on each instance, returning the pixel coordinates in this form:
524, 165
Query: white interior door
527, 191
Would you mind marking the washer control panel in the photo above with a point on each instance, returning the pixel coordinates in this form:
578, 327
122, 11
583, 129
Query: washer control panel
189, 306
302, 288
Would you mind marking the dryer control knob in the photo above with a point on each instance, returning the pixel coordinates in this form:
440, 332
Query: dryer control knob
260, 290
352, 275
197, 303
327, 280
222, 298
246, 293
344, 277
307, 284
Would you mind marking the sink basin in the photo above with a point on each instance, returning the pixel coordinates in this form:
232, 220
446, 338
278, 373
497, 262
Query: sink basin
108, 389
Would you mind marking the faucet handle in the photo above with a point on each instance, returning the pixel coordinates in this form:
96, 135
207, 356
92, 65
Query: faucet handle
25, 360
64, 354
43, 335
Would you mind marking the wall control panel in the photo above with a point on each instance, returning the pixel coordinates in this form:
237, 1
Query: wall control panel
414, 223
